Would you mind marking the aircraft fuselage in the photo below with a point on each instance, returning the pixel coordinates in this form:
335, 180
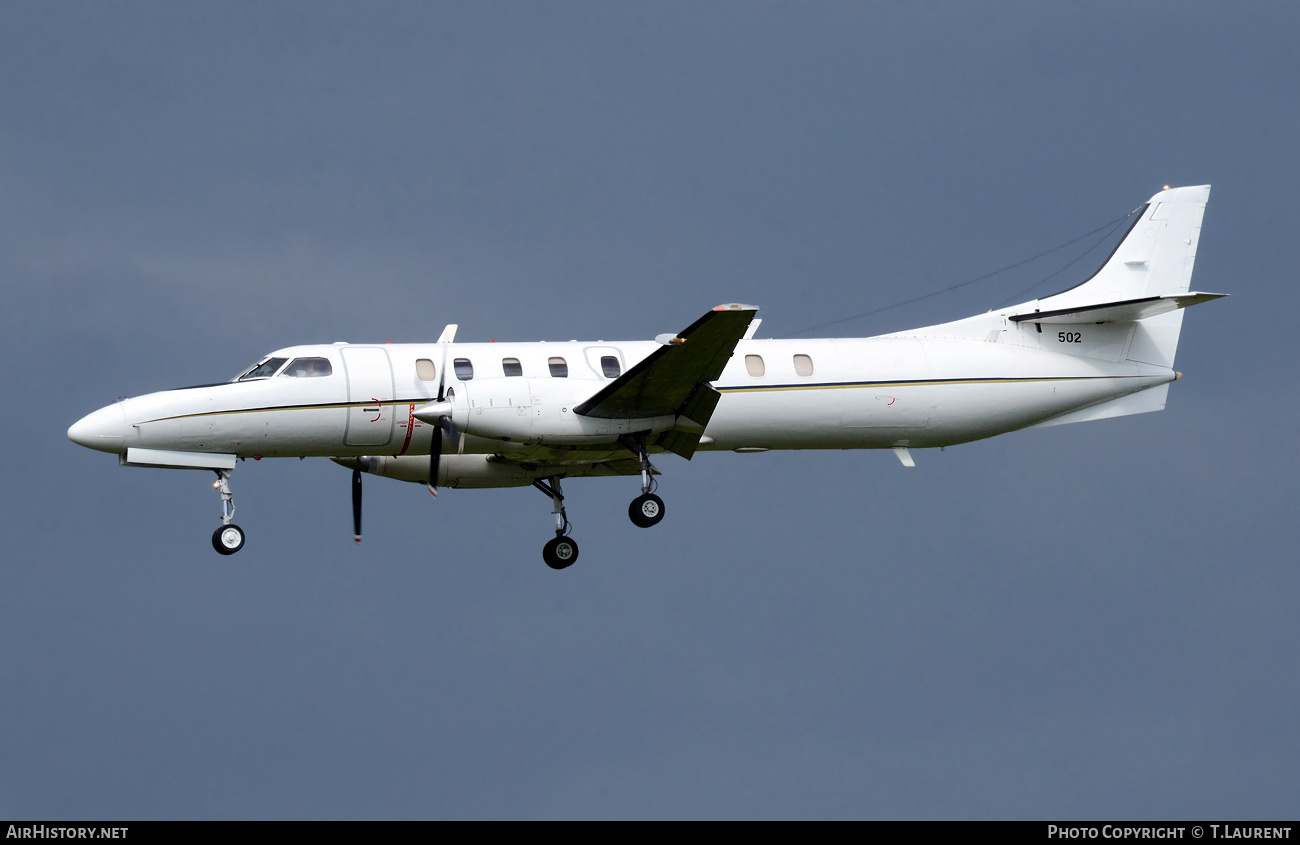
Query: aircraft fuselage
864, 393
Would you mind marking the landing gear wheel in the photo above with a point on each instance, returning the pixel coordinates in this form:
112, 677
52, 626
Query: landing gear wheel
560, 553
228, 539
646, 510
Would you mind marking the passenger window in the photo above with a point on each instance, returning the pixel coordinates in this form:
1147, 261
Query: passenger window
511, 367
754, 365
464, 369
425, 371
803, 365
308, 368
559, 368
609, 366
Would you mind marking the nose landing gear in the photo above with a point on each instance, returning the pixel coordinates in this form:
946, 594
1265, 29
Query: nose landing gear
229, 538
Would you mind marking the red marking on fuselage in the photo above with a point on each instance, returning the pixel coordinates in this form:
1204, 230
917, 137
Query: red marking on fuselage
410, 427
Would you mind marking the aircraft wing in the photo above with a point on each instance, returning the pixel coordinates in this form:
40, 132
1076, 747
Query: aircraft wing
674, 379
578, 464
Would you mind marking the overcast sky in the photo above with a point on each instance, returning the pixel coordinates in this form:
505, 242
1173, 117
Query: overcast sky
1086, 621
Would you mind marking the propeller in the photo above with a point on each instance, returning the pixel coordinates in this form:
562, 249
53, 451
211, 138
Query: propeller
356, 505
438, 414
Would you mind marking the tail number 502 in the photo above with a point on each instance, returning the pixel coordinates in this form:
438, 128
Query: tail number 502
1069, 337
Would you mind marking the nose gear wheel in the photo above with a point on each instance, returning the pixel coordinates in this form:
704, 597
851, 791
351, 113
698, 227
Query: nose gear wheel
228, 539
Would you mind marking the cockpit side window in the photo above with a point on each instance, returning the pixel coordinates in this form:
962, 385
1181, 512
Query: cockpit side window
266, 369
308, 368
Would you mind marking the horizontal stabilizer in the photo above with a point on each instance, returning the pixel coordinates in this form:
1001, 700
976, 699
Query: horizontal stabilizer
1124, 311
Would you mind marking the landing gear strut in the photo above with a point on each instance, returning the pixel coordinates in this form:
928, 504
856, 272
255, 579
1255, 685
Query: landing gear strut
229, 538
647, 509
561, 552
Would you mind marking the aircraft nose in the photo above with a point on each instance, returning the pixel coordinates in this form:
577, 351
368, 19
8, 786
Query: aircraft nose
104, 429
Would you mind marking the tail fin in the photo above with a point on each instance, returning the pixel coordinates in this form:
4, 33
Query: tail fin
1155, 258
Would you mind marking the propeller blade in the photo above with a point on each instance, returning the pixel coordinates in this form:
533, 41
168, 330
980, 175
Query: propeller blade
435, 459
454, 434
442, 375
443, 423
356, 505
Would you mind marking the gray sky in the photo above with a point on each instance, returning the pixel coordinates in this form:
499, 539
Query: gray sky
1084, 621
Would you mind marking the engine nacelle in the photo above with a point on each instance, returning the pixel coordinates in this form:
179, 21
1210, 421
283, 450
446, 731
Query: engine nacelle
453, 470
540, 411
471, 470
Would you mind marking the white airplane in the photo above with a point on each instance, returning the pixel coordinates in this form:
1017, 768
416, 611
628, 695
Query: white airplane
450, 414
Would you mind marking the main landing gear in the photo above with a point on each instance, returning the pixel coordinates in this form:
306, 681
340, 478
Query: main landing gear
647, 509
644, 511
561, 552
229, 538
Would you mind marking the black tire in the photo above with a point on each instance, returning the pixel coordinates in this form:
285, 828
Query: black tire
646, 510
560, 553
228, 539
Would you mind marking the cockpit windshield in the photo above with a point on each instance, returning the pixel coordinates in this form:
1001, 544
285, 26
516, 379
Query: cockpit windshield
308, 368
266, 369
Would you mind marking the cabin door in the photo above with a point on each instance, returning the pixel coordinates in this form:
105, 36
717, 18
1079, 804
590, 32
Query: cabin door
370, 396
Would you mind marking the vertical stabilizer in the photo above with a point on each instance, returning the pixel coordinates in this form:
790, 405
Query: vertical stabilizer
1155, 258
